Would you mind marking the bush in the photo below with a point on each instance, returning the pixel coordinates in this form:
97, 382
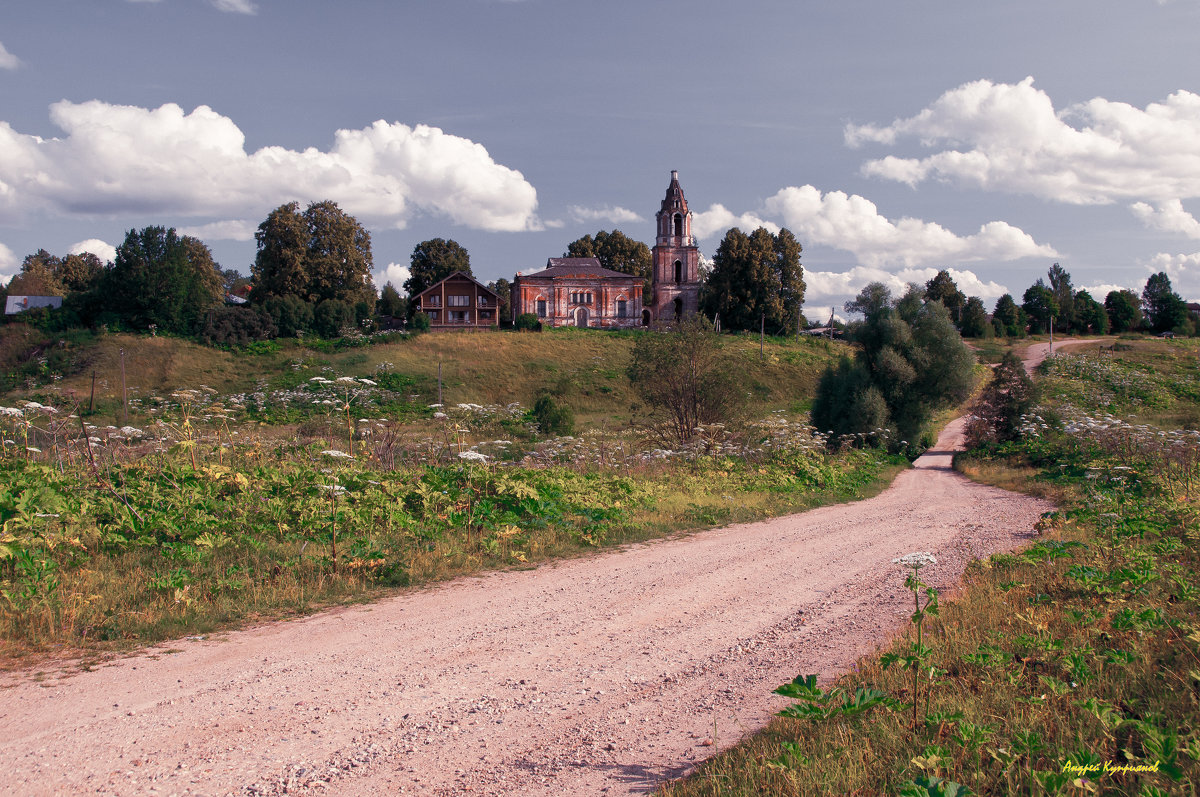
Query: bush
420, 323
237, 326
553, 418
996, 417
332, 316
685, 380
291, 314
527, 321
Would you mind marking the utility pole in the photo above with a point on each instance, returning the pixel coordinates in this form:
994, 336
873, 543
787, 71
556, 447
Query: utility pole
762, 328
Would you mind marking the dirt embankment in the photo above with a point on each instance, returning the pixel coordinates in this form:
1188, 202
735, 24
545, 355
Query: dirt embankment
598, 675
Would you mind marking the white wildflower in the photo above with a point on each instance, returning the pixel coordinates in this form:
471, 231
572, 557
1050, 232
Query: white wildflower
915, 560
333, 453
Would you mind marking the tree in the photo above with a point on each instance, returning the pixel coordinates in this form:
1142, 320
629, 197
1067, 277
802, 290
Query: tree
913, 360
1010, 316
943, 289
391, 303
322, 253
685, 381
617, 251
163, 279
1124, 310
996, 416
1039, 305
38, 276
974, 322
756, 277
434, 260
503, 290
1064, 296
1090, 316
79, 272
1164, 308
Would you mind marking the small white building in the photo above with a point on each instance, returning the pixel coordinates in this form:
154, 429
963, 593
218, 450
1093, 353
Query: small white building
19, 304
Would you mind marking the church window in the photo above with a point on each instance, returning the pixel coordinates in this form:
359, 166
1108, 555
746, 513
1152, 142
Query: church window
678, 271
622, 308
678, 224
541, 308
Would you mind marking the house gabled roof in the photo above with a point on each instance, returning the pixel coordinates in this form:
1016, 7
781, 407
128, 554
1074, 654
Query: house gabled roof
577, 267
452, 276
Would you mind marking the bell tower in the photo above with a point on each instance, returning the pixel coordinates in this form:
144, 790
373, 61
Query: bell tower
676, 281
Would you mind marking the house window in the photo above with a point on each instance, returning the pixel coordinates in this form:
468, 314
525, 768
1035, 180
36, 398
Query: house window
483, 301
459, 316
541, 308
433, 315
432, 301
459, 301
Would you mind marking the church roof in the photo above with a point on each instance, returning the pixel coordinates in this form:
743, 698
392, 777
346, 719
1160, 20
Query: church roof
577, 267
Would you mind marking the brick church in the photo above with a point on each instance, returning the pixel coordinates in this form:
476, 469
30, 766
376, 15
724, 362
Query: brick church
578, 291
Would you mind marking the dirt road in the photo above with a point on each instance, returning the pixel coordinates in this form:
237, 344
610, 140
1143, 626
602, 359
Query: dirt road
598, 675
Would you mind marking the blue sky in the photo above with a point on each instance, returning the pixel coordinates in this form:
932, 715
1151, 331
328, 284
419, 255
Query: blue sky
893, 138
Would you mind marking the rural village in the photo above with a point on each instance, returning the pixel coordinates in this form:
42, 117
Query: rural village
593, 490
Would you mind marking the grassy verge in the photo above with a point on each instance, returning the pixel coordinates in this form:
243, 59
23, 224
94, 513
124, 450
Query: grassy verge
1072, 667
204, 520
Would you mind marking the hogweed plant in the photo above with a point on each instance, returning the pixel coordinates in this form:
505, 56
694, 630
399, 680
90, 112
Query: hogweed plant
917, 654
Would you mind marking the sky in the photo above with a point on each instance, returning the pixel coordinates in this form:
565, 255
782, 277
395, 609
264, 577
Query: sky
894, 139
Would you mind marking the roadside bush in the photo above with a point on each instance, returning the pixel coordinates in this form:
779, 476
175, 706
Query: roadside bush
237, 326
332, 316
291, 314
996, 417
553, 418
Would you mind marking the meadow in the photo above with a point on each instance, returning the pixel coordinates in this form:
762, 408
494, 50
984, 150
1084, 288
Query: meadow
1071, 667
283, 478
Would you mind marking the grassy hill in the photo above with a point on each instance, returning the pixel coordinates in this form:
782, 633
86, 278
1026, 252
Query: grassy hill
583, 368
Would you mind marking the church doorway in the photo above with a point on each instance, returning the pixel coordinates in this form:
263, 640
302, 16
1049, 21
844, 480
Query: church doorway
645, 318
581, 317
678, 307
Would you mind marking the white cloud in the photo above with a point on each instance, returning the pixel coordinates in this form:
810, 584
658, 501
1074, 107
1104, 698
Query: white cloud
7, 59
1168, 216
229, 230
394, 273
101, 249
8, 265
117, 158
1008, 137
609, 213
1184, 271
235, 6
853, 223
717, 219
1100, 291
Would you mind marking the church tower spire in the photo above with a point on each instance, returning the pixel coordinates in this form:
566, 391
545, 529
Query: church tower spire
676, 280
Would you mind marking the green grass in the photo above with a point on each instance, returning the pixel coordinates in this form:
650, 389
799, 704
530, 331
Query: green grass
1079, 653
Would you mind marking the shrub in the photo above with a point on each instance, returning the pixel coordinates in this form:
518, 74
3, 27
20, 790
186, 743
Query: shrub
553, 418
237, 326
420, 323
996, 417
332, 316
527, 321
291, 314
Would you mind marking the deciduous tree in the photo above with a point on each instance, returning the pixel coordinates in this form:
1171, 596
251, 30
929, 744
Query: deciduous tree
617, 251
322, 253
163, 279
1010, 316
755, 278
1124, 310
434, 260
1164, 308
942, 288
1040, 307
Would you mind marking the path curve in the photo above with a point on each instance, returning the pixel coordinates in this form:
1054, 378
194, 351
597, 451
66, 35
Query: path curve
603, 674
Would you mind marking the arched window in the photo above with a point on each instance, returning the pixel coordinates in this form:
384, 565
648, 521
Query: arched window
678, 271
679, 224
